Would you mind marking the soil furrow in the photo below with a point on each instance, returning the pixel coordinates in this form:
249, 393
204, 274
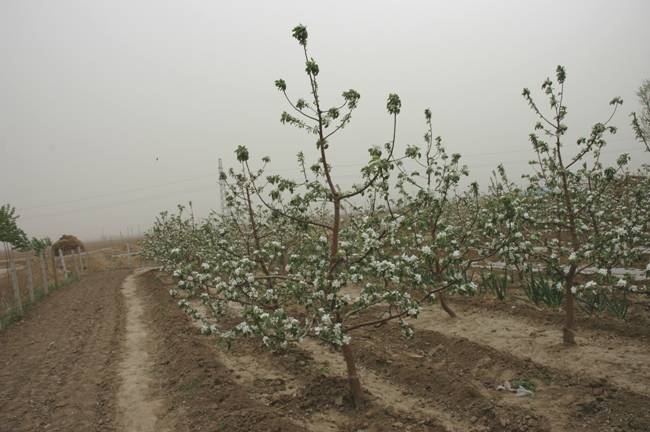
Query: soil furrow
286, 380
438, 381
437, 364
200, 391
621, 362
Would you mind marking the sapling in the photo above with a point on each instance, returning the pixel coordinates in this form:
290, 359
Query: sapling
577, 219
38, 246
290, 250
10, 233
11, 236
447, 228
334, 254
641, 121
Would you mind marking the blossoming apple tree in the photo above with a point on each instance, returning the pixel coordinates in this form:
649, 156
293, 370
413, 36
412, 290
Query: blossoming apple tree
293, 253
446, 229
582, 216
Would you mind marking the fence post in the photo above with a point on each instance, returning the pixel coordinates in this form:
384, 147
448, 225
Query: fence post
65, 270
14, 283
56, 276
128, 255
75, 264
81, 261
46, 286
30, 278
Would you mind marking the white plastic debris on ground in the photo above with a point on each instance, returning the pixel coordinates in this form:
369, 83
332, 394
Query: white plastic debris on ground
519, 391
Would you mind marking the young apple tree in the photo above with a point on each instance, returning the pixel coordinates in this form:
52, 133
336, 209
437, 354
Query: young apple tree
446, 230
293, 253
577, 218
641, 121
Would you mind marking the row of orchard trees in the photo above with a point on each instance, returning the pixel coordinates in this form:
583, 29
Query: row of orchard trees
306, 258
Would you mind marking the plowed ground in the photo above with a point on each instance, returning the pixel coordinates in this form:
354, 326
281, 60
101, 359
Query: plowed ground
90, 355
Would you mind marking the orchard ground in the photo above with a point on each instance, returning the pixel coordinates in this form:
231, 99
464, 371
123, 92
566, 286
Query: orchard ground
113, 352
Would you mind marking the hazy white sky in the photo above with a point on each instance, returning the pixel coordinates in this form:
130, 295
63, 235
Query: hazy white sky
91, 92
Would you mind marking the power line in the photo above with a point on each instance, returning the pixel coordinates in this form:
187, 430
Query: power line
292, 170
107, 194
119, 203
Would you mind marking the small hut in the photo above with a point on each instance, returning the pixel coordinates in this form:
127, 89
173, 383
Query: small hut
68, 244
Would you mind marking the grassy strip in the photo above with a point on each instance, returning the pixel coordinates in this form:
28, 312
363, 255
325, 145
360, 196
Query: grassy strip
39, 293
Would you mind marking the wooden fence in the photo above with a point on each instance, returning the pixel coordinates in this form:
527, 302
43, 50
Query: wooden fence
29, 278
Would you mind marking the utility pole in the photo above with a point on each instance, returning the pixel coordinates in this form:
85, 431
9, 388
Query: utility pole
192, 212
222, 189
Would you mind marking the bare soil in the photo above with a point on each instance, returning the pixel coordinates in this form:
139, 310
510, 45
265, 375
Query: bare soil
58, 364
108, 354
446, 377
139, 410
201, 393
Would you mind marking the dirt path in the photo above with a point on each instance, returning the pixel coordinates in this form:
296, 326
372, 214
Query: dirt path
138, 409
58, 366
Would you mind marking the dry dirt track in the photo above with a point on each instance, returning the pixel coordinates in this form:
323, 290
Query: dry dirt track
112, 352
57, 365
